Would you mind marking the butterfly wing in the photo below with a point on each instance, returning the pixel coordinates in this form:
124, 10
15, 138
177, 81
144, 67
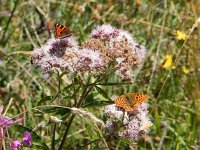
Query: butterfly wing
62, 31
122, 103
137, 99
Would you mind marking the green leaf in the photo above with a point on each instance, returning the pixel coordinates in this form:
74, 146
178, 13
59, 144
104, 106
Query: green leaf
90, 98
102, 92
58, 110
52, 98
97, 103
25, 46
45, 99
112, 84
37, 141
127, 141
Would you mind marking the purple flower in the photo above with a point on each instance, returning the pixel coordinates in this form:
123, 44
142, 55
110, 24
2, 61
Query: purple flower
58, 46
130, 134
27, 138
110, 124
89, 59
15, 144
1, 62
5, 122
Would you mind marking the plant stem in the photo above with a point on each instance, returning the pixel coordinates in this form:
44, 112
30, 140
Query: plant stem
59, 82
86, 91
84, 94
97, 140
66, 131
53, 138
7, 25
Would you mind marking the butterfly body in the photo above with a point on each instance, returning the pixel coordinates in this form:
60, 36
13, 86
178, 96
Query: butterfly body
130, 101
62, 31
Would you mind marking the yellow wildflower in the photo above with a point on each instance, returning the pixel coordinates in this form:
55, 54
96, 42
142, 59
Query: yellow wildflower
180, 35
168, 62
185, 70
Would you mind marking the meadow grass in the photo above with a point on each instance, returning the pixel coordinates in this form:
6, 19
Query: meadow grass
173, 91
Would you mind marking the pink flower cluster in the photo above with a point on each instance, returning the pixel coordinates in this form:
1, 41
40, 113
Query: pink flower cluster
106, 45
105, 32
127, 53
64, 55
130, 125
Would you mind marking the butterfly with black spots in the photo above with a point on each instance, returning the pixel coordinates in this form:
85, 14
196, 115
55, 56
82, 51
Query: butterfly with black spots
62, 31
130, 101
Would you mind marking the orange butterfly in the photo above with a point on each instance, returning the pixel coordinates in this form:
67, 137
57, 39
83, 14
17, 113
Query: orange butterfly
130, 101
62, 31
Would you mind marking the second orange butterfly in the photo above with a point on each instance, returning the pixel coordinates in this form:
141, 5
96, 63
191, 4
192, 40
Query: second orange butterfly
130, 101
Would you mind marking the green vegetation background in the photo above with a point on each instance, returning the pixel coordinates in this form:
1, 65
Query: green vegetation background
174, 102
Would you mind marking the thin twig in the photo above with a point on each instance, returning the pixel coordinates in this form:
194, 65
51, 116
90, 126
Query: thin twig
8, 106
102, 137
29, 35
24, 69
34, 29
7, 25
158, 48
97, 139
162, 139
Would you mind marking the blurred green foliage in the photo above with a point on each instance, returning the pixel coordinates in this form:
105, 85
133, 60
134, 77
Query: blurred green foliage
174, 104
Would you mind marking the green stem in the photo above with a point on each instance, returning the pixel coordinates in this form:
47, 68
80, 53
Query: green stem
66, 131
7, 25
53, 138
59, 81
97, 140
74, 88
84, 94
86, 91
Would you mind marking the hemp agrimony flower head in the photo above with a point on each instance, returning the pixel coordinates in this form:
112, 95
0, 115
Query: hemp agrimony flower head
117, 46
128, 124
106, 46
64, 55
